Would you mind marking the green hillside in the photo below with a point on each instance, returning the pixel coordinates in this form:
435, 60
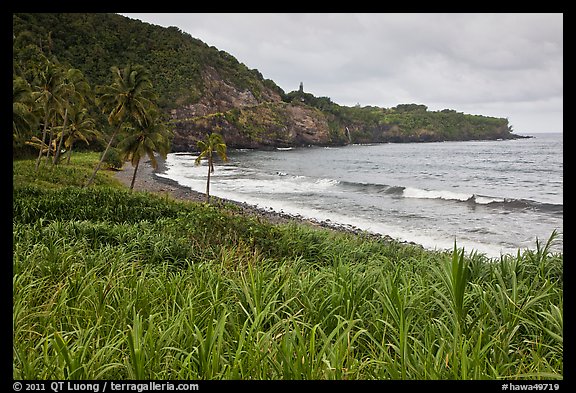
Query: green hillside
195, 82
95, 42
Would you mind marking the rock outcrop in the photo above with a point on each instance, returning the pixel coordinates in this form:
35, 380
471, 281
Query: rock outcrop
260, 118
247, 120
262, 126
219, 95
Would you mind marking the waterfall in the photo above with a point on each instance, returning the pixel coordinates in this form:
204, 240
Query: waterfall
348, 135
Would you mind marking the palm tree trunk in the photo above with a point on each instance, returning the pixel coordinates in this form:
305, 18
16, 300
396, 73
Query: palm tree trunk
50, 141
134, 176
208, 182
57, 153
43, 139
69, 154
101, 160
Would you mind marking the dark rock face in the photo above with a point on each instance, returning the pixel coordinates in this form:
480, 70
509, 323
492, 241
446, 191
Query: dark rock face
261, 126
257, 118
244, 120
221, 96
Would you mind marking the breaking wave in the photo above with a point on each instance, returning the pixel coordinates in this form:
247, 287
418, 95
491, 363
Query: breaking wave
445, 195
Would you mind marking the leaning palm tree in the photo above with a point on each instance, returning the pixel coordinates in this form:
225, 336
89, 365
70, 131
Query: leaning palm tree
148, 136
214, 143
127, 99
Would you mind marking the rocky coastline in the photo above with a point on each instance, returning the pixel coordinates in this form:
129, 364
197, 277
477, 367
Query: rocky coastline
147, 180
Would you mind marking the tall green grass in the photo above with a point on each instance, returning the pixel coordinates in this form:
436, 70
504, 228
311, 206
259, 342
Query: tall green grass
109, 284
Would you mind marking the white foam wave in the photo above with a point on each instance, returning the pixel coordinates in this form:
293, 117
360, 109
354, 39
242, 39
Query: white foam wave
482, 200
275, 185
410, 192
228, 178
327, 182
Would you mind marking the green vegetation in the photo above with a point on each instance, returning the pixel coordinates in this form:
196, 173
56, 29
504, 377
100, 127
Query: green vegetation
403, 123
95, 42
183, 70
113, 284
58, 107
129, 105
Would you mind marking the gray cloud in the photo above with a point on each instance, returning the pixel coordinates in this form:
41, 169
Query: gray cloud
506, 65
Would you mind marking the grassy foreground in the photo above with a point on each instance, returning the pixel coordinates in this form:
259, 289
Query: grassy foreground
109, 284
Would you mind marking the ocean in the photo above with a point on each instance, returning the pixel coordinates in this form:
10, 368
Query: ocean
491, 197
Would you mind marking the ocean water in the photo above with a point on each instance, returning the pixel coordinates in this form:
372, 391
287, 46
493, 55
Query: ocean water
492, 197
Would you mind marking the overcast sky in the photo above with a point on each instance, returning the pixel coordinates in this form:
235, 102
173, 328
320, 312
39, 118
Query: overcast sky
503, 65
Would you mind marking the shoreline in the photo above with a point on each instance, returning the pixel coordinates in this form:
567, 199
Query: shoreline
147, 180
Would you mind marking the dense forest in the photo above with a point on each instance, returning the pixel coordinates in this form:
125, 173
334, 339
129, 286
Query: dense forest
95, 42
194, 82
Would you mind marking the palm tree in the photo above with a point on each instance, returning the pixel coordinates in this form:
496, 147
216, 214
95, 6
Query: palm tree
75, 92
127, 99
214, 143
49, 83
150, 135
81, 127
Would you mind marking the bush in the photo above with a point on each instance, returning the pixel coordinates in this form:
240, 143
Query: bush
113, 158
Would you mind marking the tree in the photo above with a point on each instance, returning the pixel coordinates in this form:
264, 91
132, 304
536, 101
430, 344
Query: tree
214, 143
49, 82
81, 127
74, 94
150, 135
24, 118
128, 99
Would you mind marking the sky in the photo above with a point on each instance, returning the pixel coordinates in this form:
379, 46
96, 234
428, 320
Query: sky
506, 65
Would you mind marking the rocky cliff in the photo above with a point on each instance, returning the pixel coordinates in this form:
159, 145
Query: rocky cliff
272, 119
261, 126
246, 121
